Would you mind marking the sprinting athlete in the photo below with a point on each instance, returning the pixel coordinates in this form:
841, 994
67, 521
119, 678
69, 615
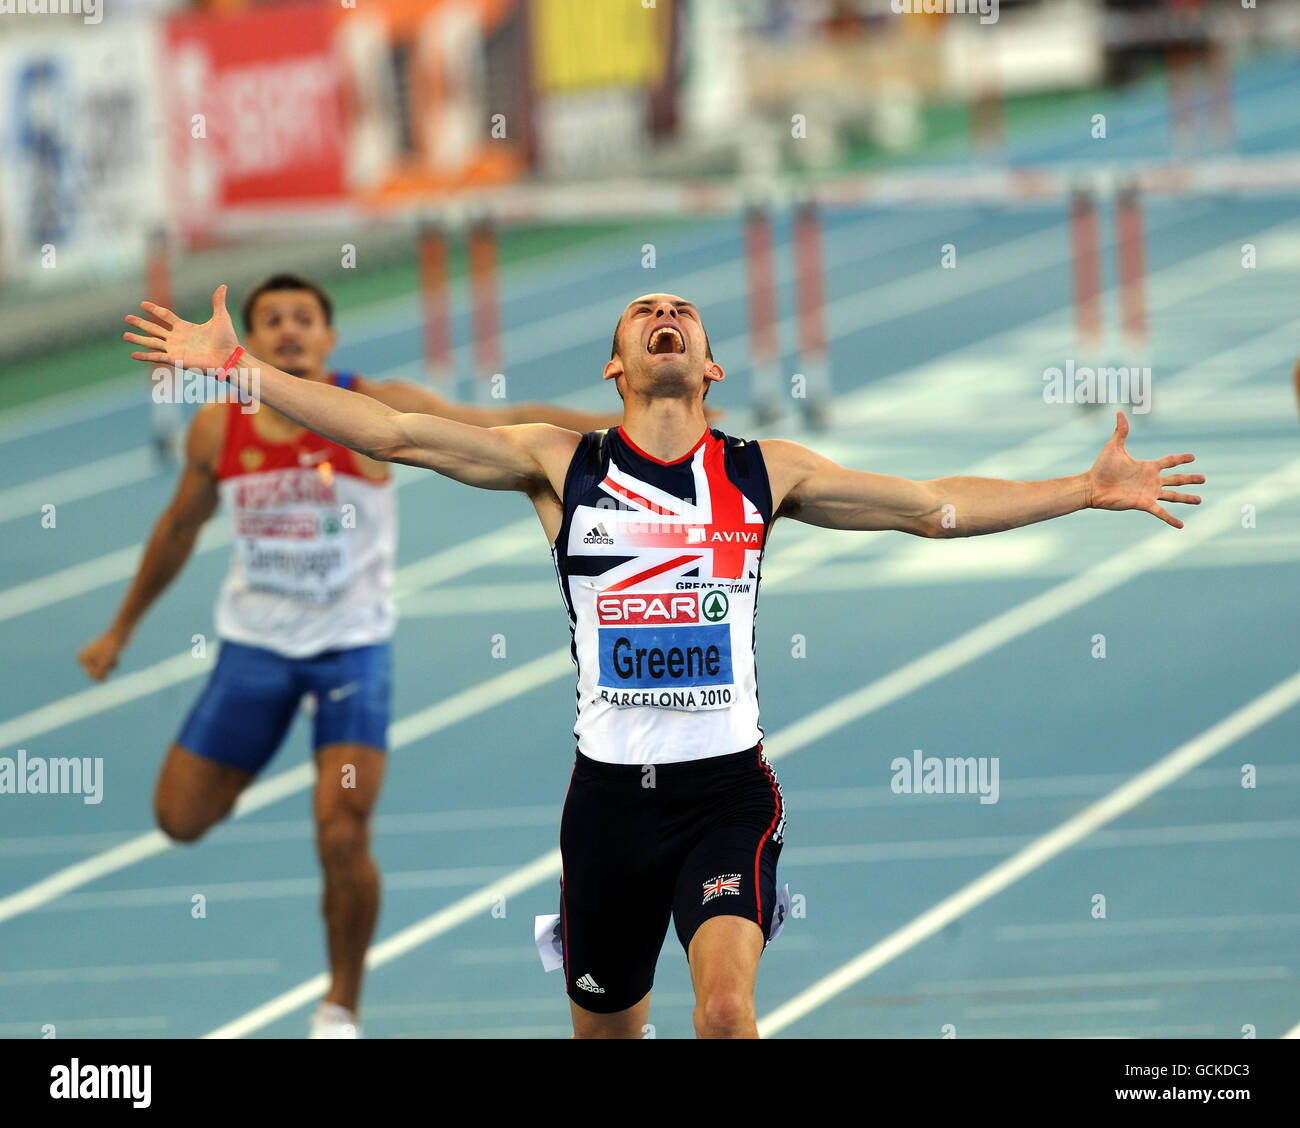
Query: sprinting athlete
306, 609
657, 529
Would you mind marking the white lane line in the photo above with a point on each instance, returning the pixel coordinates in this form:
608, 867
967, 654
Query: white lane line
1294, 1032
82, 872
262, 794
475, 904
1141, 787
79, 482
945, 659
100, 698
69, 408
90, 575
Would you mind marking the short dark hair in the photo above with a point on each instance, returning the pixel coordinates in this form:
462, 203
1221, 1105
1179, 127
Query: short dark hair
286, 282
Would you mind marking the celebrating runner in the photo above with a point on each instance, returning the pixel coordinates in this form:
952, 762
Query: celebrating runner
657, 528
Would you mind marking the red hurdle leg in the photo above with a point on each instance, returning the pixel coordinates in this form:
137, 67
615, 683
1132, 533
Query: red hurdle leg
435, 305
485, 300
810, 285
1086, 253
760, 268
1132, 265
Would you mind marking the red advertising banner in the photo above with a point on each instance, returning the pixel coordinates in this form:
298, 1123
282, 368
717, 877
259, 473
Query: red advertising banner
256, 110
304, 106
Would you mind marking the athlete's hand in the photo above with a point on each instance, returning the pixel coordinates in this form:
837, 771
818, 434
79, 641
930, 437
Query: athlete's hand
99, 656
1117, 480
169, 339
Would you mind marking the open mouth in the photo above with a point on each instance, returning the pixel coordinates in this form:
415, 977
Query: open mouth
666, 339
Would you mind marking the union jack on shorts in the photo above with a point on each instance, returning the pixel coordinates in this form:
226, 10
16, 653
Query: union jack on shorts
717, 886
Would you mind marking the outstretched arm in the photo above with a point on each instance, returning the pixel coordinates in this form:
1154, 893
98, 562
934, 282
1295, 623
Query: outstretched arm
503, 458
815, 490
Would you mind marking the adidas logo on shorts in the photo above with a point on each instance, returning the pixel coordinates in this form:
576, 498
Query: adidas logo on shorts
598, 535
589, 984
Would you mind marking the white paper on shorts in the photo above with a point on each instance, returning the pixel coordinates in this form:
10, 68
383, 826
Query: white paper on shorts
546, 931
778, 917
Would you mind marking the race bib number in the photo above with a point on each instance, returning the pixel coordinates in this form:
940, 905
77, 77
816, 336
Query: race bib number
310, 570
669, 650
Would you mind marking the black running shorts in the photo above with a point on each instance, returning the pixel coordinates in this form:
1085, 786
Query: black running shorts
696, 840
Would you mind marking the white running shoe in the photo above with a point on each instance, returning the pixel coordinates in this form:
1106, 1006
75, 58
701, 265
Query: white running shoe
334, 1021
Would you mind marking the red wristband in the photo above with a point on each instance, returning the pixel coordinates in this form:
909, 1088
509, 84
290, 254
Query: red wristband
229, 366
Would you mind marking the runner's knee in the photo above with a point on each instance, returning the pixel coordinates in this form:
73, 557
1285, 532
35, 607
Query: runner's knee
723, 1013
341, 840
179, 823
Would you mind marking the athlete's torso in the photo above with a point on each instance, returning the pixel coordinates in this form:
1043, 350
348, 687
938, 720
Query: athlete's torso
315, 538
659, 566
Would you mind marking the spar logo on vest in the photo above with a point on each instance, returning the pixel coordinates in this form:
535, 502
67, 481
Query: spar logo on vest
671, 649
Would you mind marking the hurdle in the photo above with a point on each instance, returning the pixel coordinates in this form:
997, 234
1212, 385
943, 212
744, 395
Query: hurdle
435, 307
811, 313
764, 343
485, 305
1085, 243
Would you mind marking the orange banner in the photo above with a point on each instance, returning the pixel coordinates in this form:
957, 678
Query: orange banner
435, 95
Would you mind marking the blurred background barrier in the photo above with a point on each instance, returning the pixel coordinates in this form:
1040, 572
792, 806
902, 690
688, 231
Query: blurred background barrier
180, 143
